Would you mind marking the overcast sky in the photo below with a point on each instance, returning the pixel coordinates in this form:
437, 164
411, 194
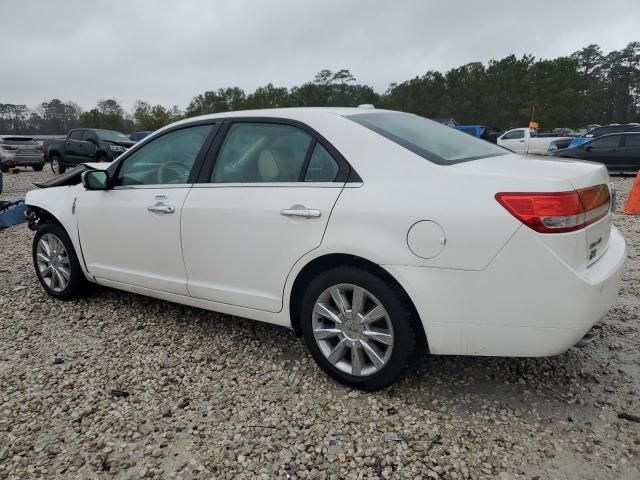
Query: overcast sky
166, 52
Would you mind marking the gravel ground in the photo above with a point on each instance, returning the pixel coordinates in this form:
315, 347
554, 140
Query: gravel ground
122, 386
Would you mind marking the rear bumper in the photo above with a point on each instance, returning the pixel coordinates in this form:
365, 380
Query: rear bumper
526, 303
23, 160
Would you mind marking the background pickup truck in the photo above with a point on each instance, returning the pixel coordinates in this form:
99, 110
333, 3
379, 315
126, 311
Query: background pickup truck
527, 140
85, 145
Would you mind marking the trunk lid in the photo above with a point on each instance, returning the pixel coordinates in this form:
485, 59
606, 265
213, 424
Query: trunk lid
580, 248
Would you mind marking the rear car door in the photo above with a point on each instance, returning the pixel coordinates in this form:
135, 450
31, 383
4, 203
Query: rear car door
630, 152
263, 202
130, 234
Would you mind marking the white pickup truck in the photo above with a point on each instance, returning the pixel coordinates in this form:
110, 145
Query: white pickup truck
526, 140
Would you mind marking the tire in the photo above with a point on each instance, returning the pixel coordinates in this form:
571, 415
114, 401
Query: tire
37, 168
396, 331
56, 165
60, 260
4, 169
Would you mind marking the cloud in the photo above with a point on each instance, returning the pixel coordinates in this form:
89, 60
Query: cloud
166, 52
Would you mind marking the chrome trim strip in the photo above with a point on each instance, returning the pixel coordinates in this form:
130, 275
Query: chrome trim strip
153, 187
271, 185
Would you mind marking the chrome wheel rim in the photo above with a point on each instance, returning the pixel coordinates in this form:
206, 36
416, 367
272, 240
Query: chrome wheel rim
352, 329
55, 166
53, 262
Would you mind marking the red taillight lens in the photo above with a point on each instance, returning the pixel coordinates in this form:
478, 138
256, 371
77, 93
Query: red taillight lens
9, 147
558, 212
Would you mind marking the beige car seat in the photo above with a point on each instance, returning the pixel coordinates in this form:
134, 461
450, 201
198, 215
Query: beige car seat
277, 164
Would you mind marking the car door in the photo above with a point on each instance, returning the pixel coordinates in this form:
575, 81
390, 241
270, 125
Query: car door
88, 146
605, 150
630, 152
263, 203
72, 147
130, 233
515, 141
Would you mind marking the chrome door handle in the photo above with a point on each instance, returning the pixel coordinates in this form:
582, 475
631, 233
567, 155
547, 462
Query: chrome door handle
161, 208
296, 211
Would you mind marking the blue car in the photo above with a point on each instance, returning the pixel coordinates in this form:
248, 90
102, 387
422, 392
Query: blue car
480, 131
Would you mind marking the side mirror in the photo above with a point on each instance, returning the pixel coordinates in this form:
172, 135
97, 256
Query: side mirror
95, 180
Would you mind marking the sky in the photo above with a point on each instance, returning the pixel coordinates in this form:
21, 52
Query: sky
166, 52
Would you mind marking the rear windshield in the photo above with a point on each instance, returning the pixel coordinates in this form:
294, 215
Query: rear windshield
18, 141
435, 142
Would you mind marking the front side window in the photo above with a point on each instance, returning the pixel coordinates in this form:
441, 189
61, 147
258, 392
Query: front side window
431, 140
88, 135
76, 135
632, 140
605, 142
515, 135
261, 152
166, 160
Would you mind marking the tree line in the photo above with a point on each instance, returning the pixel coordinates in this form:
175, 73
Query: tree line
585, 87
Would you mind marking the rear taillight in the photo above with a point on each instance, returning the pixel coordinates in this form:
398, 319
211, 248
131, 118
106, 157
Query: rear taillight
9, 147
558, 212
39, 148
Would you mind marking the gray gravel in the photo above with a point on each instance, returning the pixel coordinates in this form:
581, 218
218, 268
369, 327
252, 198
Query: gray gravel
121, 386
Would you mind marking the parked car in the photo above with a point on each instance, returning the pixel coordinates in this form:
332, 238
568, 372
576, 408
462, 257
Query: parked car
20, 151
526, 141
371, 233
480, 131
137, 136
600, 131
620, 152
85, 145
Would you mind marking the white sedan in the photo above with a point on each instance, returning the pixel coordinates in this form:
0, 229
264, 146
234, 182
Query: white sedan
373, 234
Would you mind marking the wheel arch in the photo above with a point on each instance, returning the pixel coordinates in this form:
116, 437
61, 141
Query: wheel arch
331, 260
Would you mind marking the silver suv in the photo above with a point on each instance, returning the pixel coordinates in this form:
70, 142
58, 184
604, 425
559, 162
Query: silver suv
18, 151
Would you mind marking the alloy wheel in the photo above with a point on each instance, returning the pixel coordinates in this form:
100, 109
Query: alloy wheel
53, 262
352, 329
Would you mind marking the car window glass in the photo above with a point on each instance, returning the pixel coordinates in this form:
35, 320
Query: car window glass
322, 166
76, 135
516, 134
166, 160
261, 152
632, 140
88, 134
605, 142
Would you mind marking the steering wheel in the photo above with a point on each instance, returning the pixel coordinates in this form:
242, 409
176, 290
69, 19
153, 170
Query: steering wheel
172, 171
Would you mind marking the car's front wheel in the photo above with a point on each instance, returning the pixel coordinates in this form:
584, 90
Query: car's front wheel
359, 328
56, 263
56, 165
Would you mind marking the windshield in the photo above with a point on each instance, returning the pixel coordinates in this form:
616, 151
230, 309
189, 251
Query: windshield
111, 136
436, 142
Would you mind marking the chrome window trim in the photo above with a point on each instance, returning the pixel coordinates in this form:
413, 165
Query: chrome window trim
271, 185
153, 187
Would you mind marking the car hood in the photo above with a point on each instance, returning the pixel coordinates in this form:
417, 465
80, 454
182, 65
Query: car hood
73, 176
123, 143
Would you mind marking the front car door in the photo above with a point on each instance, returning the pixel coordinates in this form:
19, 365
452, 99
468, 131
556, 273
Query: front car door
605, 150
130, 234
514, 141
72, 147
88, 146
261, 205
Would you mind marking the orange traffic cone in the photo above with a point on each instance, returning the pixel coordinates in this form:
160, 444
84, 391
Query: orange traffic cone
633, 202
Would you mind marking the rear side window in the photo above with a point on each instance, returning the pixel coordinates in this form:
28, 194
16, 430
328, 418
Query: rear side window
261, 152
632, 140
606, 142
322, 166
431, 140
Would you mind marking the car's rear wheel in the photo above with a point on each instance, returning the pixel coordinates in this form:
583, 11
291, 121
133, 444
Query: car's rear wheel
56, 165
360, 329
56, 263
